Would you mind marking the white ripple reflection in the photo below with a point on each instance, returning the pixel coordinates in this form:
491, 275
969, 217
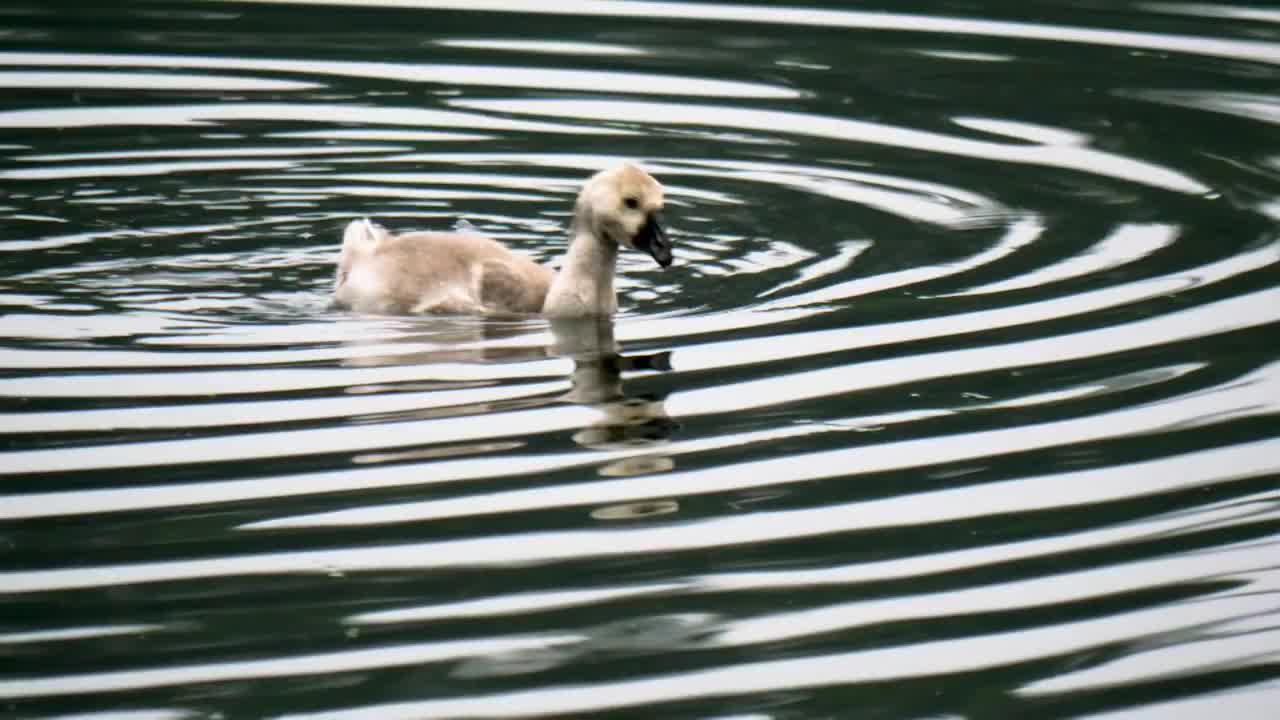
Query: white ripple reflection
86, 501
333, 114
547, 547
448, 75
253, 412
286, 666
511, 604
74, 633
808, 344
548, 47
908, 198
147, 81
1254, 641
1123, 245
1254, 702
231, 152
1254, 106
1020, 233
1083, 586
542, 184
1233, 12
1257, 50
1235, 313
74, 172
974, 560
154, 714
1064, 156
977, 559
1253, 310
962, 655
1065, 490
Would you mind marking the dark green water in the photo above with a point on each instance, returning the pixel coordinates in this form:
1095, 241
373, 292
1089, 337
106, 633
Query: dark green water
972, 332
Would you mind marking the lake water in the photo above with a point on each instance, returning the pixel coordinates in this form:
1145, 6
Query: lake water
960, 400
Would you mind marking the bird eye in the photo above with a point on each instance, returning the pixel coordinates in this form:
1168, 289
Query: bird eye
632, 202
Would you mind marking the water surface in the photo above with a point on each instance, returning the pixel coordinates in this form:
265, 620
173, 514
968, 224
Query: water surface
960, 399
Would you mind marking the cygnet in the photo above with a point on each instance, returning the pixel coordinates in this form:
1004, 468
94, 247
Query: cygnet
463, 273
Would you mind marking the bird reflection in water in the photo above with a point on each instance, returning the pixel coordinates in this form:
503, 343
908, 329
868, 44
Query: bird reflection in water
626, 422
626, 425
631, 429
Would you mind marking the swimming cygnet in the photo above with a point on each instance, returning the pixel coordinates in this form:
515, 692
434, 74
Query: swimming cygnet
462, 273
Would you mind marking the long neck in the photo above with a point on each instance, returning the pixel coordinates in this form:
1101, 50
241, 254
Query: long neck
584, 285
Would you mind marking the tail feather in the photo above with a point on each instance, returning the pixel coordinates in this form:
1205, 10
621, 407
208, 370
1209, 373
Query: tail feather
363, 234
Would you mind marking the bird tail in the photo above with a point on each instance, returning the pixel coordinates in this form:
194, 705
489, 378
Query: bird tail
362, 235
360, 238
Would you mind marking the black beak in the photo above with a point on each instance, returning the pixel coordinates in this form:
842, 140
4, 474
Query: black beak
653, 240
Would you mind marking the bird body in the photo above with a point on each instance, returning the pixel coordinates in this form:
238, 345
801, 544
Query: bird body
464, 273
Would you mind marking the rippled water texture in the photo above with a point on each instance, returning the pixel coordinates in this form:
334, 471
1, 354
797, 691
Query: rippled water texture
960, 400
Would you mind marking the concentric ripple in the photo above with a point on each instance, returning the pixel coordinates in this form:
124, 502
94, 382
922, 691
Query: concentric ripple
960, 400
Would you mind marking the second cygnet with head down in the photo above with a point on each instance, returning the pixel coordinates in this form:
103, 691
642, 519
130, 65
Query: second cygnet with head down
461, 273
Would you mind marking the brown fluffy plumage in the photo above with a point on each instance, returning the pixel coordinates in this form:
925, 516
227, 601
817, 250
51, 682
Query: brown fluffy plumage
456, 273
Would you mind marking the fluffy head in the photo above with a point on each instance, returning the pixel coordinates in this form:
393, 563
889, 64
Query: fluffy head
623, 206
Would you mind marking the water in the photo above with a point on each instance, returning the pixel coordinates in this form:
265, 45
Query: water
960, 400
